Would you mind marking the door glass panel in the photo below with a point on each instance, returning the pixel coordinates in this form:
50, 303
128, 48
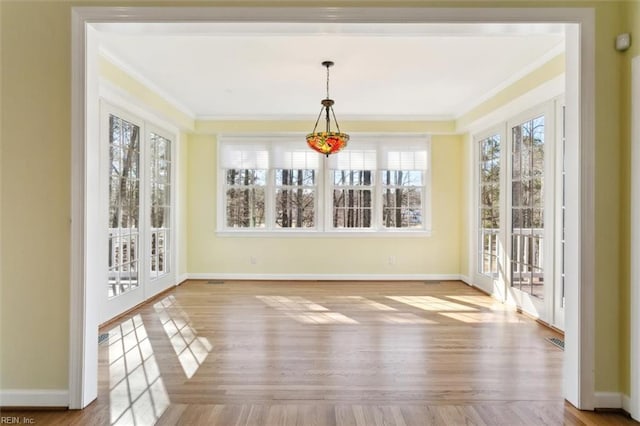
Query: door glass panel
527, 207
124, 199
489, 205
160, 178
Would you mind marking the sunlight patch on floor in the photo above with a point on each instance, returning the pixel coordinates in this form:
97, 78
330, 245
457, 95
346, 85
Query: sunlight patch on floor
362, 303
321, 318
480, 301
190, 348
480, 317
137, 394
431, 303
305, 311
293, 303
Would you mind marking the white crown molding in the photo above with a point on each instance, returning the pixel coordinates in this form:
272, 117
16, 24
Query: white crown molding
140, 78
515, 77
540, 94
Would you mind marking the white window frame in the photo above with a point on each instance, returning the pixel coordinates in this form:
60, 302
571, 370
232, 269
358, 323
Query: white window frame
324, 190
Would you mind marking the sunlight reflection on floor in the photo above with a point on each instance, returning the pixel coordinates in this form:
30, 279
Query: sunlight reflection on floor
137, 394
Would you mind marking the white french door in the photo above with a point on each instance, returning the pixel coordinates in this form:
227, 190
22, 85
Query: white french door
136, 171
518, 241
489, 157
531, 212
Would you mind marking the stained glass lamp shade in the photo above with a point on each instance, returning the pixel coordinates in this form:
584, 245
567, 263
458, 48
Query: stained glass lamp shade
327, 142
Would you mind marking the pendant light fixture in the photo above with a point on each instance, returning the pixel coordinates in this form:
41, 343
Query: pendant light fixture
327, 142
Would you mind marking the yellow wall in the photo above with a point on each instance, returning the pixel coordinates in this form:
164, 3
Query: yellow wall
35, 189
631, 25
438, 254
36, 119
607, 201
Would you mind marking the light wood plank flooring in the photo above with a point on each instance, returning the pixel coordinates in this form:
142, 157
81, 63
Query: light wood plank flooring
327, 353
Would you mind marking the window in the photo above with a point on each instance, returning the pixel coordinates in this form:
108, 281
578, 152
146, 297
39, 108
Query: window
404, 180
295, 198
278, 184
527, 207
352, 186
245, 193
352, 198
160, 178
489, 205
124, 196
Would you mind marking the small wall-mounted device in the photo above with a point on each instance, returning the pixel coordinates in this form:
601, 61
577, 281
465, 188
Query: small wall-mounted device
623, 42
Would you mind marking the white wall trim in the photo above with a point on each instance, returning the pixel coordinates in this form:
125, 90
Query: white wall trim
325, 277
608, 400
579, 357
467, 280
34, 398
578, 374
182, 278
634, 356
626, 403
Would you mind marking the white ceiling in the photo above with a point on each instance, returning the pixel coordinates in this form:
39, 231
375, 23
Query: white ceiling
273, 71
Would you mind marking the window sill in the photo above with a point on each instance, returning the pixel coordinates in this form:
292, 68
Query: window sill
323, 234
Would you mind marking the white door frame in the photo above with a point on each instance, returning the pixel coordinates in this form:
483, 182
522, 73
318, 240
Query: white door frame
635, 240
578, 373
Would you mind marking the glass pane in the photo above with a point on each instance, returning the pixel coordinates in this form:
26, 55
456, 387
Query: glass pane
245, 208
402, 177
124, 192
246, 177
295, 208
352, 177
528, 206
302, 177
352, 208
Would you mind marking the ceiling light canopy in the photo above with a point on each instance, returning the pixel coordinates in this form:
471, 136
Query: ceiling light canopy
327, 142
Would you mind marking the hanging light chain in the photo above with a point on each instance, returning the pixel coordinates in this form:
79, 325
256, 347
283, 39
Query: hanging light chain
328, 81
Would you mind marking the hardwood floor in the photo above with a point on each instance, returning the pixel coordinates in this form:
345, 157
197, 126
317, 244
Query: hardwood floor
327, 353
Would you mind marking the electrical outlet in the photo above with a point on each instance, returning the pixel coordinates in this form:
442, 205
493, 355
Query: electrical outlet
392, 260
253, 260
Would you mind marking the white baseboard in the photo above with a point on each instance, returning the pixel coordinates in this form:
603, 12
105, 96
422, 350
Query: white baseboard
608, 400
182, 278
467, 280
626, 403
327, 277
34, 398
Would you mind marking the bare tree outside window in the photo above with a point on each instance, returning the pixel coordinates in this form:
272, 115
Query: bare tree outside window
527, 207
402, 198
160, 178
489, 205
245, 198
352, 198
124, 201
295, 198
